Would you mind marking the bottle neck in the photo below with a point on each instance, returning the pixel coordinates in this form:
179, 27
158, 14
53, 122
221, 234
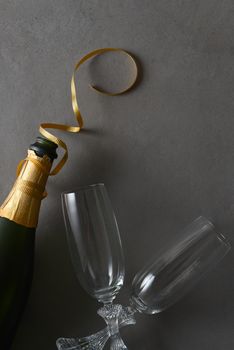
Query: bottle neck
22, 205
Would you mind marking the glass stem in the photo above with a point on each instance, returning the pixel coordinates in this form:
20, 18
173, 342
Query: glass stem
111, 313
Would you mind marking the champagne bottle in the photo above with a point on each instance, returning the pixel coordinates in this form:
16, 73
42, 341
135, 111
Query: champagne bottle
18, 221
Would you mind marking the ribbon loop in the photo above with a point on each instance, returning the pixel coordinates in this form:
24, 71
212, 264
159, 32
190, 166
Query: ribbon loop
75, 129
75, 106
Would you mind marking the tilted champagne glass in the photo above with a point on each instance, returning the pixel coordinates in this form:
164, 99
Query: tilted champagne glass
97, 256
166, 279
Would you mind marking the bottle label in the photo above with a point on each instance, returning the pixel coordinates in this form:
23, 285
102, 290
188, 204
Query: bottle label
22, 205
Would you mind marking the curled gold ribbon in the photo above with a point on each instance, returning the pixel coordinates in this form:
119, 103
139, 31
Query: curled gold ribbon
75, 106
33, 191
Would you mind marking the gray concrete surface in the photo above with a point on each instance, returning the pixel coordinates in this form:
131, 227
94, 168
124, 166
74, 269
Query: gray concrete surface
164, 151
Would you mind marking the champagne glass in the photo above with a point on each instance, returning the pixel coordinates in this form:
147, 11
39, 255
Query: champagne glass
163, 281
166, 279
97, 256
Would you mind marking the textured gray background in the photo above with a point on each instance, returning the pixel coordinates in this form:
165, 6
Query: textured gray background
165, 150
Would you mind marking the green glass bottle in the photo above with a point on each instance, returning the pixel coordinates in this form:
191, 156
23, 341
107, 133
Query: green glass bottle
18, 221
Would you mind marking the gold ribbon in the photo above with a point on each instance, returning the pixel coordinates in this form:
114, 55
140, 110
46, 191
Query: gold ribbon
14, 206
75, 105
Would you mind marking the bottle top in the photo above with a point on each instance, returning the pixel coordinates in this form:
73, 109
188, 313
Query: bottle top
44, 146
22, 205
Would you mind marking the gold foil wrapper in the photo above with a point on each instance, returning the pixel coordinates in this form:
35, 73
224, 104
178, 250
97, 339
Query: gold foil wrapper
22, 205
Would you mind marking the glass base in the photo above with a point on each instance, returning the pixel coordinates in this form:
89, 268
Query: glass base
115, 317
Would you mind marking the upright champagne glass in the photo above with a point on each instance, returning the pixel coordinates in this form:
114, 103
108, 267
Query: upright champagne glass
97, 256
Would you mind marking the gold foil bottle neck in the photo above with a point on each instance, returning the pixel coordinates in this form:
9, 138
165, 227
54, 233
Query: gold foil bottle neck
22, 205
